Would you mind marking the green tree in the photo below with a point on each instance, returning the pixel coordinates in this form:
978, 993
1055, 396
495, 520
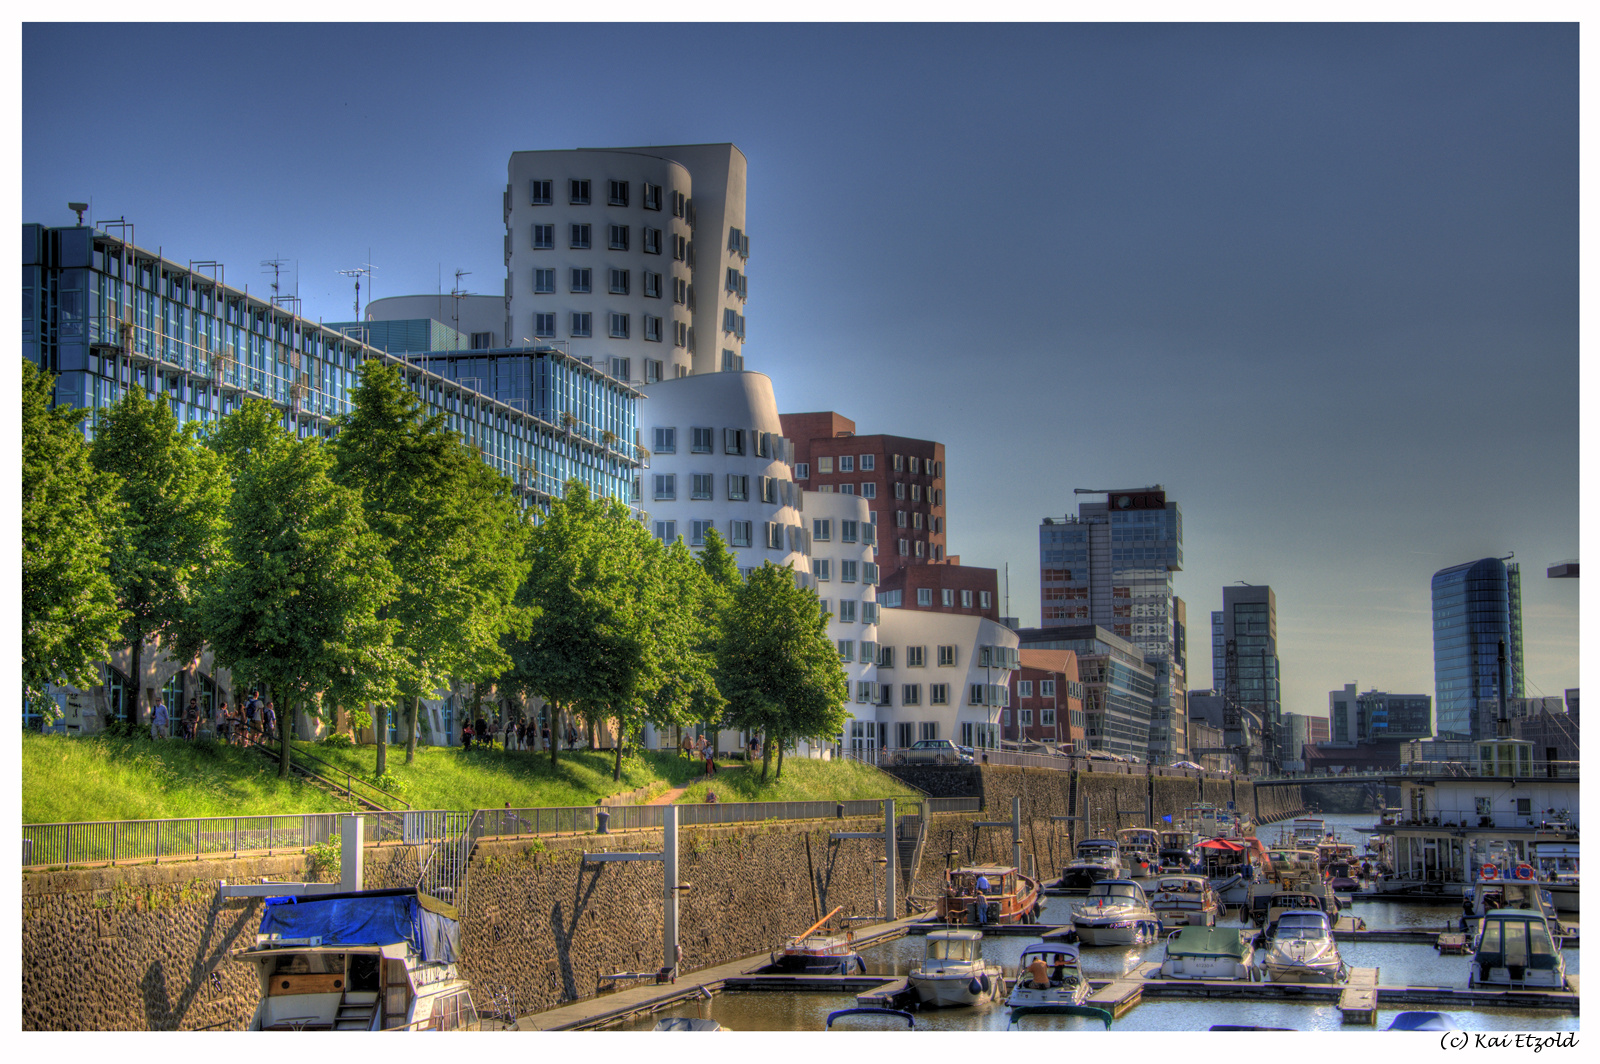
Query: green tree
70, 515
297, 599
776, 665
453, 534
679, 683
174, 495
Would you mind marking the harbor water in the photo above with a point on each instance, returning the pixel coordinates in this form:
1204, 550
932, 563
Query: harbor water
1399, 964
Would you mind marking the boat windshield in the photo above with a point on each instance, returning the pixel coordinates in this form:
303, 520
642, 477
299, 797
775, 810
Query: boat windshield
952, 949
1517, 943
1292, 926
1107, 889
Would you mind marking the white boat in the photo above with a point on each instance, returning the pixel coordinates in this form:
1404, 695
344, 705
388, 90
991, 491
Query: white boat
1140, 850
1116, 913
1518, 890
1301, 949
1095, 859
953, 971
1514, 948
1048, 974
372, 960
1309, 831
688, 1023
1185, 901
1557, 866
1208, 953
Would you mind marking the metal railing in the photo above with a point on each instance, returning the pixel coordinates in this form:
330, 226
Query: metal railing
327, 773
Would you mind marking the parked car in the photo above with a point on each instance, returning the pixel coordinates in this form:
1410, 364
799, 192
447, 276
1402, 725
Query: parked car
932, 752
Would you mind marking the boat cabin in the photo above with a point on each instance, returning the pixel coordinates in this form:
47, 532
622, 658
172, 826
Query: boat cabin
1515, 948
997, 880
1097, 851
1302, 924
1116, 892
1060, 960
945, 948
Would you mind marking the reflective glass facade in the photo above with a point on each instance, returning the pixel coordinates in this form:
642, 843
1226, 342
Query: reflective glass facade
1473, 606
1119, 685
105, 315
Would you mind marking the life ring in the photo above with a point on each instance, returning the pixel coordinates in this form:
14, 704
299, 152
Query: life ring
1524, 871
1489, 871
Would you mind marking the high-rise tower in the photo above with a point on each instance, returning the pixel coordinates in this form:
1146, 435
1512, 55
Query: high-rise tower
1475, 606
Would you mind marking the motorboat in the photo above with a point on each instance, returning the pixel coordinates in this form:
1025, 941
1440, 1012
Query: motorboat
1185, 901
953, 971
1293, 901
1331, 852
1095, 859
1140, 850
1557, 866
1177, 852
1048, 975
373, 960
886, 1019
688, 1023
1519, 890
1232, 865
816, 951
989, 894
1308, 831
1301, 949
1116, 913
1223, 953
1422, 1021
1516, 948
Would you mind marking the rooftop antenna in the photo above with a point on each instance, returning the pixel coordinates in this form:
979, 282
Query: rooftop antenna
455, 294
364, 268
274, 265
80, 208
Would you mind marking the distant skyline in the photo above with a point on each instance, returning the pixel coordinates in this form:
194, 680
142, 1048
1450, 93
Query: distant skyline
1320, 282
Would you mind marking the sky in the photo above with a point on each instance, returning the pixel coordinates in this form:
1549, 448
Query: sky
1320, 282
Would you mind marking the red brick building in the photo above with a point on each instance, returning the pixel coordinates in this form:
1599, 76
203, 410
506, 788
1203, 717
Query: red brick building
902, 480
1046, 700
943, 588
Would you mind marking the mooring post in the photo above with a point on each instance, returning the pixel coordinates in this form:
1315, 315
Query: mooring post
891, 854
351, 837
1016, 832
669, 912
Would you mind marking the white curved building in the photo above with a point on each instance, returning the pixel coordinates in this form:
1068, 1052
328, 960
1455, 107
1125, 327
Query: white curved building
943, 676
634, 258
717, 458
843, 566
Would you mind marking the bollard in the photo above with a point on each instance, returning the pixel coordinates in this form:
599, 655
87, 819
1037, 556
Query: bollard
602, 821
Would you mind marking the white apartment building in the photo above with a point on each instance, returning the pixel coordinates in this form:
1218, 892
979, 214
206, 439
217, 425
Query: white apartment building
634, 258
843, 546
717, 459
940, 676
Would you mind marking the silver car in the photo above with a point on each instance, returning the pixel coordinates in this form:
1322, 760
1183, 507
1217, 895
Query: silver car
931, 752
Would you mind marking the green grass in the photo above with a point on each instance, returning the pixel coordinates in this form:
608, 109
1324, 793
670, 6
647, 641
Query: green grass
105, 778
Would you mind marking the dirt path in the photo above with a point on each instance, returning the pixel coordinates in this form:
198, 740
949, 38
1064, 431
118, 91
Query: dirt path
668, 797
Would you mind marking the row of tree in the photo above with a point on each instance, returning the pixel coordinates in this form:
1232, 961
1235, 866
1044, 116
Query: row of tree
377, 567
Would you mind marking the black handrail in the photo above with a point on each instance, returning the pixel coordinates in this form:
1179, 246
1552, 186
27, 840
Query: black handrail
350, 778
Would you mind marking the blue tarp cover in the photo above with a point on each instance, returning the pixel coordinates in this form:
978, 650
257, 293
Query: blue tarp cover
349, 921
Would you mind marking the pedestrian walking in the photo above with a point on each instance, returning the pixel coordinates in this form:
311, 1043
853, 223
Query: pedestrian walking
252, 710
219, 720
191, 719
544, 737
572, 737
269, 722
160, 722
522, 735
466, 735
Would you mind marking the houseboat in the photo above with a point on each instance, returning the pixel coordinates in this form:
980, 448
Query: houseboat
373, 960
1096, 859
1301, 949
1185, 901
989, 894
817, 951
1116, 913
953, 971
1209, 953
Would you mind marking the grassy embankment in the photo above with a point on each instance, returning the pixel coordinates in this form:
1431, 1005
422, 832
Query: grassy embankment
105, 778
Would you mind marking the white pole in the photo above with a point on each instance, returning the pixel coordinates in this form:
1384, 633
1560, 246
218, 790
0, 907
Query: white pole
669, 863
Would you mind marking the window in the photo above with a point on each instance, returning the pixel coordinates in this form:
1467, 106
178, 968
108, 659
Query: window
769, 489
680, 334
702, 485
731, 363
544, 325
947, 655
983, 599
899, 491
869, 490
924, 594
938, 496
622, 368
847, 611
802, 470
864, 691
666, 441
966, 600
847, 572
652, 285
885, 657
819, 568
581, 280
619, 282
697, 532
900, 521
1024, 688
666, 531
738, 488
680, 248
618, 237
824, 464
916, 657
680, 291
732, 283
652, 330
700, 441
916, 519
1047, 716
619, 194
822, 606
947, 596
544, 281
1027, 717
868, 462
735, 239
905, 548
899, 463
847, 463
539, 192
889, 600
733, 441
652, 197
652, 241
680, 205
619, 326
822, 528
869, 652
919, 545
1524, 806
544, 237
916, 492
913, 463
774, 536
739, 532
580, 235
938, 694
578, 192
847, 489
581, 325
869, 613
848, 531
666, 486
911, 694
869, 572
1047, 689
975, 694
903, 733
928, 729
847, 650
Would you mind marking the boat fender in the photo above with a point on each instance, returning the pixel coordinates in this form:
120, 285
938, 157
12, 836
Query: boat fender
983, 982
861, 964
1489, 871
1524, 871
975, 987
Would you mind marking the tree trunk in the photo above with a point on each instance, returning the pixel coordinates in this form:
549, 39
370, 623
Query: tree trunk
132, 706
766, 756
780, 761
411, 729
594, 735
616, 770
553, 712
380, 731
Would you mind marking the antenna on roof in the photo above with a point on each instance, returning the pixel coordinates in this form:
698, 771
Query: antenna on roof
274, 265
364, 268
455, 295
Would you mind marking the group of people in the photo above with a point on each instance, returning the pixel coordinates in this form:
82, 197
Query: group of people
254, 719
511, 736
699, 748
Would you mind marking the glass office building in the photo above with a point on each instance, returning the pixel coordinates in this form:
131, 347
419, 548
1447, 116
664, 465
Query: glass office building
1119, 684
1473, 609
104, 315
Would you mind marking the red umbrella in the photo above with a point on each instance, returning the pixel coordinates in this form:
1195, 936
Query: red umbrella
1221, 844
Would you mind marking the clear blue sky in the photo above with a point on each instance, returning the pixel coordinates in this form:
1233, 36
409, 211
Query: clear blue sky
1320, 282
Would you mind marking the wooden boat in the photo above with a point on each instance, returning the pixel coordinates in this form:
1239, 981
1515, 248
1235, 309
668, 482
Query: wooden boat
815, 951
1515, 948
1095, 859
1301, 949
989, 894
1116, 913
953, 971
1185, 901
372, 960
1208, 953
